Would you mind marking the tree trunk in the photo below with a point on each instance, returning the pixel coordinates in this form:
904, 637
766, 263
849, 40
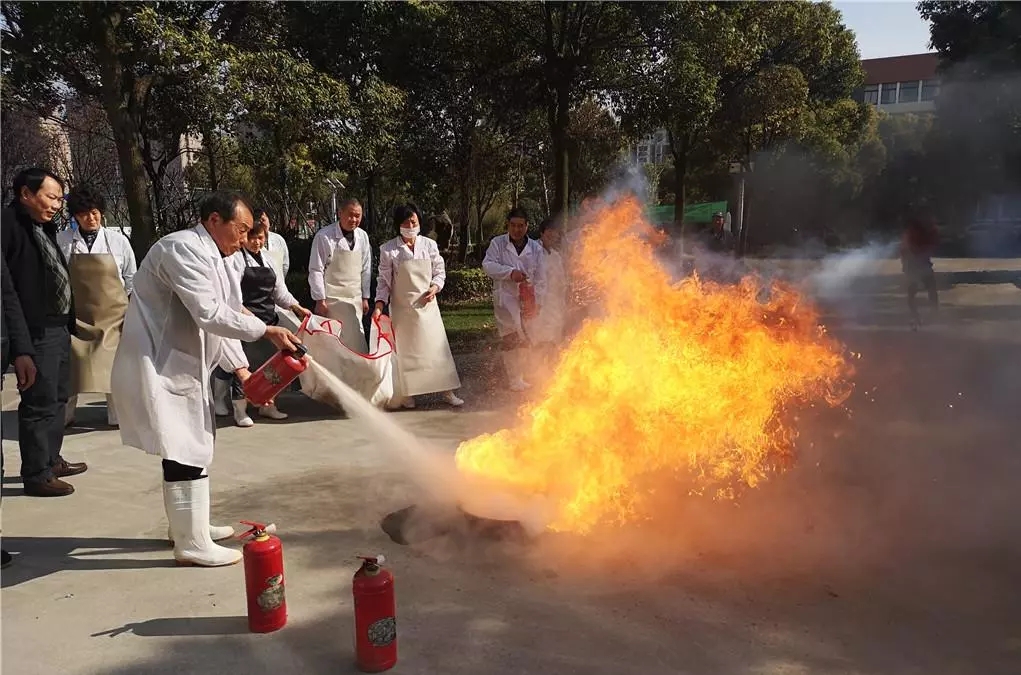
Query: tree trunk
560, 118
120, 92
136, 192
679, 149
464, 229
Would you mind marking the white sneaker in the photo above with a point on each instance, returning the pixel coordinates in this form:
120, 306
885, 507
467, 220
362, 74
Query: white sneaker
272, 412
187, 506
519, 384
241, 417
453, 400
221, 393
408, 403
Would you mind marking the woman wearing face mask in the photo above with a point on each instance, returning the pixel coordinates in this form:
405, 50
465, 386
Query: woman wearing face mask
262, 291
102, 266
411, 274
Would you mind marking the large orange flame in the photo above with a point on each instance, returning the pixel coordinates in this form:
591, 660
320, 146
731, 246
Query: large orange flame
688, 380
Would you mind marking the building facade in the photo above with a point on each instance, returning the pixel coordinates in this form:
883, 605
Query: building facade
901, 84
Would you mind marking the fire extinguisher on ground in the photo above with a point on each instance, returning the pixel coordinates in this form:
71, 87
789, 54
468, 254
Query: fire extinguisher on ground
375, 616
264, 578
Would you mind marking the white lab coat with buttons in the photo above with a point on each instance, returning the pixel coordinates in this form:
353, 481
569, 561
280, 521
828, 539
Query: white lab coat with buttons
500, 261
184, 318
107, 241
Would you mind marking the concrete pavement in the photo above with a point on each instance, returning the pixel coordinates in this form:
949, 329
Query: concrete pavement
893, 547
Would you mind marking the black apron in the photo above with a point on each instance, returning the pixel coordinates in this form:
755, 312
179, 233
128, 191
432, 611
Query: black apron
257, 284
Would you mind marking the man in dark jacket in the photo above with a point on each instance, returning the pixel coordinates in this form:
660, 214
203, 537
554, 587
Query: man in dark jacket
17, 345
39, 276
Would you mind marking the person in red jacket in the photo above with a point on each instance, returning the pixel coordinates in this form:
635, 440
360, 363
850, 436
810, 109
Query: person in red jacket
917, 248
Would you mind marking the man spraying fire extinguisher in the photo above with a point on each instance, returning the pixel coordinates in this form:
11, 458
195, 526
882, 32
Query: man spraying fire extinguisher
183, 319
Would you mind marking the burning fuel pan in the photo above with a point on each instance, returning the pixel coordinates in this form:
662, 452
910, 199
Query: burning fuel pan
414, 524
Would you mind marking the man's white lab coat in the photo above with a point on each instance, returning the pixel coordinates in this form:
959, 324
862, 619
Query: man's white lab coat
184, 319
500, 261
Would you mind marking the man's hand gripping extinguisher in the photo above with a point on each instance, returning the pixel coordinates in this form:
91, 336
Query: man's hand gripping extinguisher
375, 616
264, 578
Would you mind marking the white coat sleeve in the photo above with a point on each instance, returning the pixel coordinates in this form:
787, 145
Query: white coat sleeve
128, 267
366, 265
287, 256
492, 266
184, 271
317, 261
541, 278
385, 276
439, 267
281, 296
232, 355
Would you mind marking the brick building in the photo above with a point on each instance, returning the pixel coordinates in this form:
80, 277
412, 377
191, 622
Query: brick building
901, 84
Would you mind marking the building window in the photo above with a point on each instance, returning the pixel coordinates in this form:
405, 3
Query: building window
908, 92
643, 153
930, 89
888, 93
871, 93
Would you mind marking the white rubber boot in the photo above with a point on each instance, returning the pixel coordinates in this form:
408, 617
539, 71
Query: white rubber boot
111, 412
241, 417
216, 533
187, 506
452, 399
515, 382
221, 394
272, 412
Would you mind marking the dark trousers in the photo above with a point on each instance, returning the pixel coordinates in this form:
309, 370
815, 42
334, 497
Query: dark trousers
41, 413
175, 472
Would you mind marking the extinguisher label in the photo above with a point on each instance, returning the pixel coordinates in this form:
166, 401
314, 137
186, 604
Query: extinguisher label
273, 597
383, 632
272, 376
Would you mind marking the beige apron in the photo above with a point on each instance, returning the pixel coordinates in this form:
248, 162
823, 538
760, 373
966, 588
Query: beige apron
100, 303
424, 362
343, 280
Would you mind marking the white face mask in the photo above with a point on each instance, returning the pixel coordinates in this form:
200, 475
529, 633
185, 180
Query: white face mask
410, 232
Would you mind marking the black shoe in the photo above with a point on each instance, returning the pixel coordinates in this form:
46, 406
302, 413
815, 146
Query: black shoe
5, 558
53, 487
64, 468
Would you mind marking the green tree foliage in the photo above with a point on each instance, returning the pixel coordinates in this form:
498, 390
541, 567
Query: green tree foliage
976, 135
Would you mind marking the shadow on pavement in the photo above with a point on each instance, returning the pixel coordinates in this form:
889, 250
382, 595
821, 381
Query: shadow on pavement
182, 626
36, 557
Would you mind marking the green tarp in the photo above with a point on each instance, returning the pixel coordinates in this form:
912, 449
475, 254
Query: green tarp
693, 213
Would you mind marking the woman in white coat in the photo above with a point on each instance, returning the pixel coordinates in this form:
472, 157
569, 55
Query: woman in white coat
184, 318
548, 329
101, 266
512, 260
262, 291
411, 274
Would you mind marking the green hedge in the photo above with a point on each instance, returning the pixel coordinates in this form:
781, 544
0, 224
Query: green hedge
468, 284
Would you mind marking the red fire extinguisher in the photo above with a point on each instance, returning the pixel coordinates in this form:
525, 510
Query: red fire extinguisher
375, 616
264, 578
275, 375
526, 296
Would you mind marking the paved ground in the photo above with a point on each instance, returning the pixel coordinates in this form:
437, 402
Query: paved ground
894, 546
